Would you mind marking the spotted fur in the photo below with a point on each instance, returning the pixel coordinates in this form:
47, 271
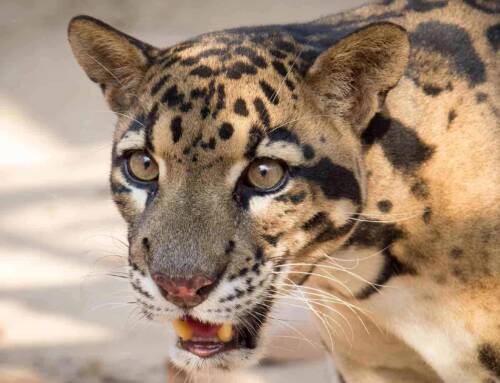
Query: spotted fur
387, 118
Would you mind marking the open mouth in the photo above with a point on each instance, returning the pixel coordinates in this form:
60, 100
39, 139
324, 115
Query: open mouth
207, 339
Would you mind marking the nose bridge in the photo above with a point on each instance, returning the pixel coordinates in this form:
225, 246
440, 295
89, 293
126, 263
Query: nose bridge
190, 232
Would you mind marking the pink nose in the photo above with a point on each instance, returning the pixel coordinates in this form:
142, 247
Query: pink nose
185, 293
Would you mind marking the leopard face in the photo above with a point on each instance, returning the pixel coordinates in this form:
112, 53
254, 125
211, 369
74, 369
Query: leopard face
237, 165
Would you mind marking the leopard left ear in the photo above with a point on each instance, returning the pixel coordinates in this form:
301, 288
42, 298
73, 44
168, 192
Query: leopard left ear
113, 59
350, 79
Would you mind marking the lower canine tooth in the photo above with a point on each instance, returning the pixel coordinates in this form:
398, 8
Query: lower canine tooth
225, 332
183, 329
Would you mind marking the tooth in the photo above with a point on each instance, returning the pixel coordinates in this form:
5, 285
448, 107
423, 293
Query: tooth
183, 329
225, 332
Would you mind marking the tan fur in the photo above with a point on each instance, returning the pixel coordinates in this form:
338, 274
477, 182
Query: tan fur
390, 212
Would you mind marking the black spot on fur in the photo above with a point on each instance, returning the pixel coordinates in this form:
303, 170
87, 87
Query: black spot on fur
240, 68
170, 61
221, 100
172, 97
176, 128
489, 357
283, 134
229, 247
156, 87
261, 109
456, 253
280, 68
420, 189
255, 136
293, 198
308, 151
290, 85
335, 181
317, 220
487, 6
432, 90
401, 145
204, 112
285, 46
481, 97
427, 215
384, 205
276, 53
392, 267
197, 93
452, 42
376, 129
425, 5
270, 92
493, 36
240, 107
451, 116
202, 71
272, 239
255, 58
226, 131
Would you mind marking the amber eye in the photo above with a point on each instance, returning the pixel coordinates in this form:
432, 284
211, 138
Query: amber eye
265, 174
142, 167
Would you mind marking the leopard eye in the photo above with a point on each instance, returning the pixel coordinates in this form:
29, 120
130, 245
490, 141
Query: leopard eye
266, 174
142, 167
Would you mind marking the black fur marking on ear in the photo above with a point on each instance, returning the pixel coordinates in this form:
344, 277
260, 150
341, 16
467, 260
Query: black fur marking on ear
493, 36
454, 43
335, 181
489, 357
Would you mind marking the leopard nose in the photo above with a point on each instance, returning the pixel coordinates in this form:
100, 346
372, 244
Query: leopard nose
185, 293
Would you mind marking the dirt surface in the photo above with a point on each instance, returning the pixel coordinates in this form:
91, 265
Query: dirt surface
64, 317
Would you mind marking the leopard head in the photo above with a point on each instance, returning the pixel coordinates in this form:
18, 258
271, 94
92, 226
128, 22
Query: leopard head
237, 164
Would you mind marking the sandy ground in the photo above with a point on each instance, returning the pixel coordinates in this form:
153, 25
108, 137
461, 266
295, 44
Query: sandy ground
63, 318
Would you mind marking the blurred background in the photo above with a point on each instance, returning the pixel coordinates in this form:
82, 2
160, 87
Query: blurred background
64, 316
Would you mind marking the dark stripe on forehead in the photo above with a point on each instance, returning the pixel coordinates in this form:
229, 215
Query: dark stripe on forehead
156, 87
149, 124
240, 107
256, 59
261, 109
270, 92
255, 136
176, 128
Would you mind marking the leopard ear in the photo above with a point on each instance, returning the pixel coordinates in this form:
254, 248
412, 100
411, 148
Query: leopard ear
114, 60
350, 79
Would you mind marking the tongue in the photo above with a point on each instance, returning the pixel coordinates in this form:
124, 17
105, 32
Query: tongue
202, 330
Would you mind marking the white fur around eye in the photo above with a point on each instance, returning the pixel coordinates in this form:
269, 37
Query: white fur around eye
131, 141
235, 173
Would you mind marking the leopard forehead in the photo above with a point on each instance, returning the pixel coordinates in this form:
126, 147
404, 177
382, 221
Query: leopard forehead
216, 94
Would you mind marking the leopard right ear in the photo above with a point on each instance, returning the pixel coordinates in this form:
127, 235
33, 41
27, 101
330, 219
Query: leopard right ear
114, 60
